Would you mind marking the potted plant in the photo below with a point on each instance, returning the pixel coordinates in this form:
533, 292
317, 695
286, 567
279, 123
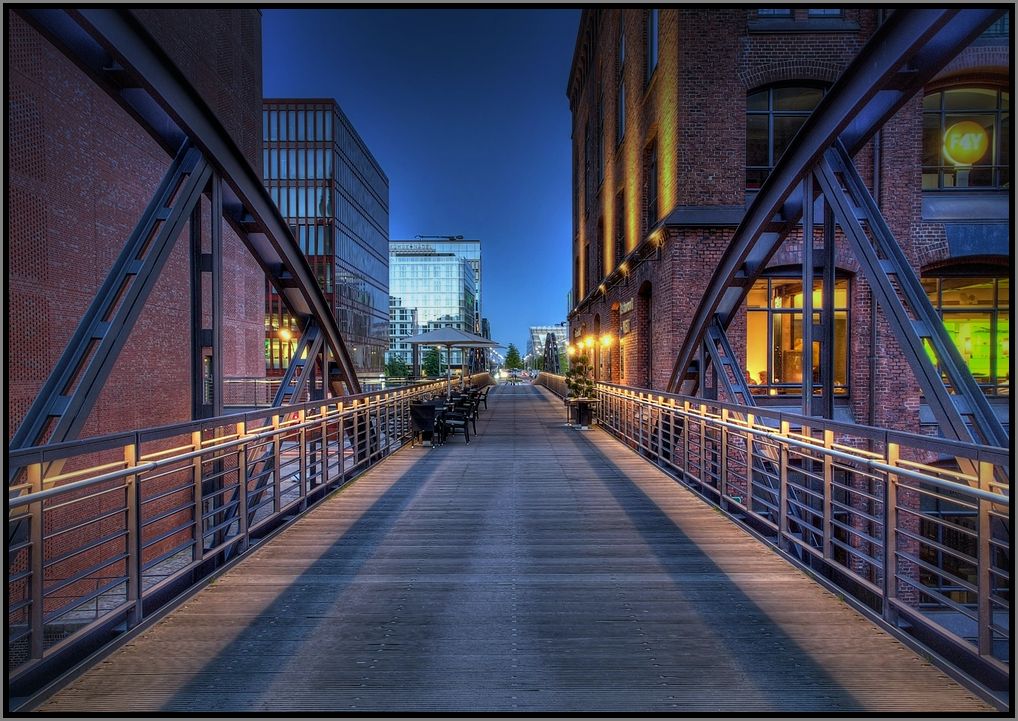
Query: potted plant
581, 390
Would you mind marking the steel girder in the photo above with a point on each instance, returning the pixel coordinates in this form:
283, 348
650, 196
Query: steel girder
113, 48
551, 360
75, 382
905, 53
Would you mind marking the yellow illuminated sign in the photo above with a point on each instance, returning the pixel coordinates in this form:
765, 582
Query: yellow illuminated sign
965, 142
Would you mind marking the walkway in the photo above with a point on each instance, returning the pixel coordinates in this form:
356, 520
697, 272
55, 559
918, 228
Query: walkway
539, 568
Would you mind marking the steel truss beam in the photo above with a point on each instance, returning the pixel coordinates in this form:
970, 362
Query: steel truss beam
905, 53
113, 48
912, 318
74, 384
551, 359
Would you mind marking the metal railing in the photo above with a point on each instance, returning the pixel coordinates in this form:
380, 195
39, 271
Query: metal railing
131, 520
886, 517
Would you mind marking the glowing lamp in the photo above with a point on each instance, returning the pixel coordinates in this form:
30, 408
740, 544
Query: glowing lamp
606, 340
965, 142
589, 342
570, 350
285, 334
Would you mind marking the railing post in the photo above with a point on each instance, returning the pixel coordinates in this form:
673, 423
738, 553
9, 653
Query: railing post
242, 490
341, 442
750, 422
828, 493
783, 488
35, 510
303, 478
702, 480
985, 564
891, 536
198, 553
324, 453
277, 466
132, 487
685, 440
723, 462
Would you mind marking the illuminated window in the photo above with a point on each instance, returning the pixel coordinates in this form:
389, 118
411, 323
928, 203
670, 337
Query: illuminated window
773, 117
774, 12
774, 336
966, 139
977, 315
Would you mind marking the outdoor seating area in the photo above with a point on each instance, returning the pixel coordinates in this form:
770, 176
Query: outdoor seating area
435, 419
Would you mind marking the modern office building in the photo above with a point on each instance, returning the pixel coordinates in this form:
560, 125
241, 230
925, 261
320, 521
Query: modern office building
469, 250
678, 116
402, 323
437, 282
81, 171
335, 197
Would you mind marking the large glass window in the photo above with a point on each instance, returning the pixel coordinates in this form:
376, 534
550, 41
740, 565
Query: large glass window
774, 336
773, 117
977, 315
966, 139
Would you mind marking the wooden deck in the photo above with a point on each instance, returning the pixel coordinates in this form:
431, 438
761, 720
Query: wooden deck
540, 568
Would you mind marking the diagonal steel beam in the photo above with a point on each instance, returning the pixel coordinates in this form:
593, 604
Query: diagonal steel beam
112, 47
75, 382
903, 55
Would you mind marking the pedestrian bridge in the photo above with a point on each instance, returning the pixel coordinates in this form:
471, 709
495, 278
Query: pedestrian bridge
539, 568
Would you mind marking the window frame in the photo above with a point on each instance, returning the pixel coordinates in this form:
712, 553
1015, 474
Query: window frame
997, 164
995, 387
792, 390
771, 114
652, 29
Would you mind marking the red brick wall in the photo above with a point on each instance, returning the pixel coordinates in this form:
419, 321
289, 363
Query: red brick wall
81, 173
709, 60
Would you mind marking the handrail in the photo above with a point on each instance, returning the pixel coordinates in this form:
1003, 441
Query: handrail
174, 507
924, 551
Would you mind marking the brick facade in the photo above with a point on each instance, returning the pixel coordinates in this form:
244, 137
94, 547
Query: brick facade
81, 172
694, 109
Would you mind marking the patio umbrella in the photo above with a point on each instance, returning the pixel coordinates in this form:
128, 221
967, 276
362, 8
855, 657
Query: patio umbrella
450, 338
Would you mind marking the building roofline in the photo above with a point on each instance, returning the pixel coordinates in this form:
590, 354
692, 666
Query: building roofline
584, 19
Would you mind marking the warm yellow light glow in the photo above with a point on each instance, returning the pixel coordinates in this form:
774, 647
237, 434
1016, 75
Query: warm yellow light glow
570, 350
589, 342
965, 142
285, 334
606, 340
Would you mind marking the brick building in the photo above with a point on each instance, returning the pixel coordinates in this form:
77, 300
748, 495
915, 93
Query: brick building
678, 116
80, 173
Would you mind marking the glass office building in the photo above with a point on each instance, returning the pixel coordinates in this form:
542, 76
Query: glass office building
469, 250
438, 283
335, 197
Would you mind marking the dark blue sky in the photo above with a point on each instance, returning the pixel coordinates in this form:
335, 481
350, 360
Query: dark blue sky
465, 110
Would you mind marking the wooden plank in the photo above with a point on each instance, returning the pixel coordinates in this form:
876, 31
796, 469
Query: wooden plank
539, 568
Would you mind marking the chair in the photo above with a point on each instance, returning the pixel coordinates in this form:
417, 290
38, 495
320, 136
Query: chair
455, 419
422, 421
482, 396
468, 407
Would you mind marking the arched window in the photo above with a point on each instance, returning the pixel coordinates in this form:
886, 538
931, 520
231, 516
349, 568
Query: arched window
974, 303
773, 117
774, 335
966, 139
